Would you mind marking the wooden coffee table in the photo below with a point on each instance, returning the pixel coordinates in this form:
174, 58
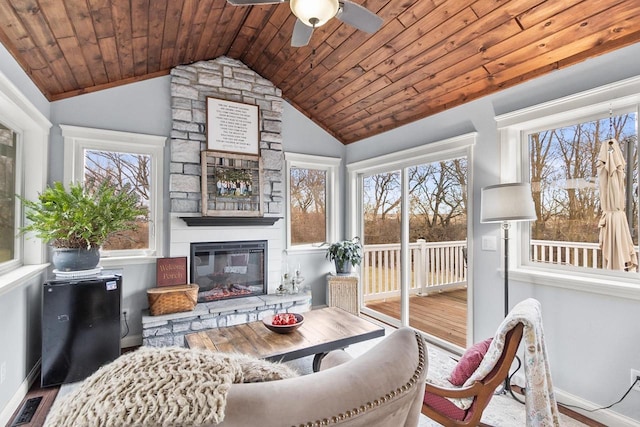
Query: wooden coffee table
322, 331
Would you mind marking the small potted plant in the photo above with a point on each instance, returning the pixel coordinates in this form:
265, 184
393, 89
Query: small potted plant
345, 254
77, 221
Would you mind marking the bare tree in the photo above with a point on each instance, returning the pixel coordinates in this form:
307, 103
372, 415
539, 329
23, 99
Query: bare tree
437, 193
438, 200
308, 189
121, 169
563, 168
128, 172
308, 205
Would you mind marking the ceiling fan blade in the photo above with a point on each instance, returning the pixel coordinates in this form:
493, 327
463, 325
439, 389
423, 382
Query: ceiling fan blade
254, 2
301, 34
359, 17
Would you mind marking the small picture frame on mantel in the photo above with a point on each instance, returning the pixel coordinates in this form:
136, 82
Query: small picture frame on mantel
231, 184
232, 127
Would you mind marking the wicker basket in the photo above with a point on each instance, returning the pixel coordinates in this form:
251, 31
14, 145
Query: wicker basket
172, 299
342, 292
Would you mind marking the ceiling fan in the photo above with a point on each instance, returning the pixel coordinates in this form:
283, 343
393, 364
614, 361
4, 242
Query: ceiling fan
312, 14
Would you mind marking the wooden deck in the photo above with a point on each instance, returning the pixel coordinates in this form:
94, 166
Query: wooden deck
442, 315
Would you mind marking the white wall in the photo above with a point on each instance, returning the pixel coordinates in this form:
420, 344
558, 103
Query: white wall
20, 333
301, 135
20, 307
141, 107
10, 68
145, 107
593, 340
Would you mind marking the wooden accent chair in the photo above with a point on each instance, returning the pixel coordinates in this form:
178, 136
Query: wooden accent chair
437, 407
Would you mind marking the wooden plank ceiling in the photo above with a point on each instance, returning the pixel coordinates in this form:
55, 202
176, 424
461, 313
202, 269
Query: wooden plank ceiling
430, 55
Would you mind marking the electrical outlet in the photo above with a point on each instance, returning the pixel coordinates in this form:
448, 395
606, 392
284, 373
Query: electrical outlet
3, 371
635, 373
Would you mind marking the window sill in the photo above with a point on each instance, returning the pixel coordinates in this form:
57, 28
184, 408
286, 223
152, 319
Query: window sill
117, 261
618, 287
16, 278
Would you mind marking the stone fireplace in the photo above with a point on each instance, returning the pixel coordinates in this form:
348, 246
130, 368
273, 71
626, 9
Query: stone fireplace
230, 80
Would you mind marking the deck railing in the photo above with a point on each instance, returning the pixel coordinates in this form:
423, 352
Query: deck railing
579, 254
442, 265
569, 253
434, 266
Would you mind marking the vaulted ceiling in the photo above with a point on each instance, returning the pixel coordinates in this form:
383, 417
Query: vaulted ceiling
430, 55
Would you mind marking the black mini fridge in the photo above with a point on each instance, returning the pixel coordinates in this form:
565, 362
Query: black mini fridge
80, 327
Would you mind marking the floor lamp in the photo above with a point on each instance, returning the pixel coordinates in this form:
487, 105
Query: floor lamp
505, 203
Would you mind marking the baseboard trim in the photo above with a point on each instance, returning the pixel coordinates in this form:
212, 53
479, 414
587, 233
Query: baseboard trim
604, 416
18, 396
131, 341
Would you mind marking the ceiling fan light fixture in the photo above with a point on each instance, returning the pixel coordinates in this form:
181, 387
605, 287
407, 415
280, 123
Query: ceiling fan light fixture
314, 13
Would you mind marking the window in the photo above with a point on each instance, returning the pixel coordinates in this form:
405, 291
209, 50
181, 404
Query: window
555, 146
128, 172
8, 217
127, 160
28, 130
564, 173
24, 141
311, 199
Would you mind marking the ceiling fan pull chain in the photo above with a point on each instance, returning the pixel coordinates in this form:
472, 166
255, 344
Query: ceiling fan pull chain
313, 53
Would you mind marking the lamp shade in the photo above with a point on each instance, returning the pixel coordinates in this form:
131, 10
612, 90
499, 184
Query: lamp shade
507, 202
314, 13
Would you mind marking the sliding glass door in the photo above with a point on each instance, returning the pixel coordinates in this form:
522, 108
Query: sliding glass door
413, 222
381, 239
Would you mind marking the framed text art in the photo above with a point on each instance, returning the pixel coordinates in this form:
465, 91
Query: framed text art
171, 271
231, 184
232, 127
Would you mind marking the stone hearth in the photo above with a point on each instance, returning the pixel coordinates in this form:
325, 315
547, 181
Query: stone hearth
170, 329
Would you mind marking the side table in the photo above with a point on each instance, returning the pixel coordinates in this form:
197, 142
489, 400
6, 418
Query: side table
342, 292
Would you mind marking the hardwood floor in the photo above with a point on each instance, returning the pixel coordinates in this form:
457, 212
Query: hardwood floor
48, 397
443, 315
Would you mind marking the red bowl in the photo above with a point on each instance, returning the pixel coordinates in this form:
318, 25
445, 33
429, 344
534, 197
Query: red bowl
283, 329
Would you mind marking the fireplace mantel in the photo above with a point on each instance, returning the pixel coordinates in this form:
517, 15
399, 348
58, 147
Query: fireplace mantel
228, 221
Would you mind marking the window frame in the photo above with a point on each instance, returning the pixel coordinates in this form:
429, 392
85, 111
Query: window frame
461, 145
458, 146
514, 129
331, 167
78, 139
14, 263
32, 140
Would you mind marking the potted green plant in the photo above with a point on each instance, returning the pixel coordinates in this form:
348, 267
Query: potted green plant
345, 254
78, 220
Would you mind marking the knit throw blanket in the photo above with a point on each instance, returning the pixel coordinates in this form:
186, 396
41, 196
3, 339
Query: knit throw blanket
161, 387
541, 406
